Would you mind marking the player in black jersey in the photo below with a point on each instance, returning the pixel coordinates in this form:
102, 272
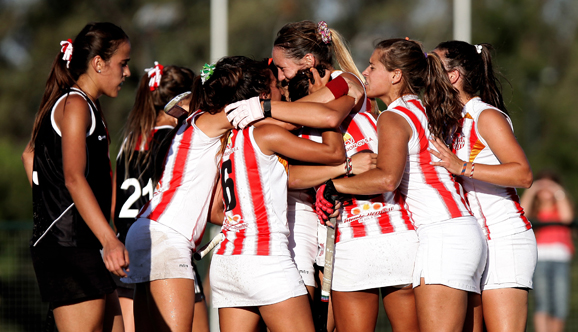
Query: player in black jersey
67, 163
140, 160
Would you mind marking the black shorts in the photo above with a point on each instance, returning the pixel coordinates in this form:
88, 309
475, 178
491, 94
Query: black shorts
123, 290
69, 274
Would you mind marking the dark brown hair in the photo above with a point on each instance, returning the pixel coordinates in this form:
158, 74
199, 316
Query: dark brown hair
476, 69
102, 39
142, 118
234, 78
424, 73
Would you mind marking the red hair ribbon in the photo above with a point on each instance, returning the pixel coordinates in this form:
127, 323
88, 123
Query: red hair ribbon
155, 73
66, 50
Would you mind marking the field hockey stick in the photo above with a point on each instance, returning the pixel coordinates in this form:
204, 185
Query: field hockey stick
328, 270
204, 250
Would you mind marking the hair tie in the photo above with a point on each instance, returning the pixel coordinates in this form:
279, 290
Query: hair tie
324, 31
155, 73
66, 50
425, 53
478, 48
206, 72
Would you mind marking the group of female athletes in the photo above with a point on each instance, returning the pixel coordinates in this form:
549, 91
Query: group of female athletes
423, 192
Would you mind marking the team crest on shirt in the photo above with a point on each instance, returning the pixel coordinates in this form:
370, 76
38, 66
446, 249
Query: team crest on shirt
234, 222
366, 210
351, 144
459, 141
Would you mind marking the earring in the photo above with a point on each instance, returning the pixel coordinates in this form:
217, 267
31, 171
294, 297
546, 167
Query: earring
99, 71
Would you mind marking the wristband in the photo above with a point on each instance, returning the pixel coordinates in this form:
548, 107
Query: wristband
348, 166
464, 168
267, 108
472, 171
338, 87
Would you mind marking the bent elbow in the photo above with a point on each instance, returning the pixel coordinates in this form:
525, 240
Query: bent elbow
333, 120
527, 180
387, 185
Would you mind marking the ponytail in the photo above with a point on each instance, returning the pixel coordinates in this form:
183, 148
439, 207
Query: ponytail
474, 63
441, 100
424, 72
346, 63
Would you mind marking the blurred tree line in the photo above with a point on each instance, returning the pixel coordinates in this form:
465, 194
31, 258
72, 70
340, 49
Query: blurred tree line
535, 42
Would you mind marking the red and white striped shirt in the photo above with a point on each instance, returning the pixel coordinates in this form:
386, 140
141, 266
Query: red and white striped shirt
182, 197
366, 215
255, 196
497, 208
430, 191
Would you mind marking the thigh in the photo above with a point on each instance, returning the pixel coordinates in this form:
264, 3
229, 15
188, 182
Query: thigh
355, 311
293, 314
399, 304
239, 319
440, 308
505, 309
82, 316
201, 317
171, 303
474, 316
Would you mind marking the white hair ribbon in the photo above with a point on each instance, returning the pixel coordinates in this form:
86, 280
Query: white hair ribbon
478, 48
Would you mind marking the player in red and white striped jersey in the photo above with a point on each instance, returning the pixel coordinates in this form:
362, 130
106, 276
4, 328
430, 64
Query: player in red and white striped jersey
491, 164
162, 240
255, 253
452, 250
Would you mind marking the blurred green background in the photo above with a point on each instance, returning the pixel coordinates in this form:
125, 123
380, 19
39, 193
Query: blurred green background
535, 41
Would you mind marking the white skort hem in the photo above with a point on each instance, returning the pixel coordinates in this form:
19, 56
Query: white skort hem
451, 253
372, 262
251, 280
157, 251
511, 261
303, 242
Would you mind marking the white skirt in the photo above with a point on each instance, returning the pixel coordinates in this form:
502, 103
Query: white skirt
250, 280
451, 253
303, 242
157, 252
511, 261
378, 261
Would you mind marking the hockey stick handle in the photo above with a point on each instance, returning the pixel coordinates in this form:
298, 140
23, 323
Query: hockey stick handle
329, 258
204, 250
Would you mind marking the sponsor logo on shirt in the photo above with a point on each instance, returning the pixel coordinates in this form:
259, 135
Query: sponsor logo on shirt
351, 144
101, 137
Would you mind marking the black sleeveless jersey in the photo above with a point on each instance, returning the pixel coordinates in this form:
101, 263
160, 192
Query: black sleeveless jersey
135, 185
56, 219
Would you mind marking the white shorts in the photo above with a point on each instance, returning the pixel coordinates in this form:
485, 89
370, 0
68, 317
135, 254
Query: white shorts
157, 252
378, 261
303, 242
250, 280
321, 240
451, 253
511, 261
